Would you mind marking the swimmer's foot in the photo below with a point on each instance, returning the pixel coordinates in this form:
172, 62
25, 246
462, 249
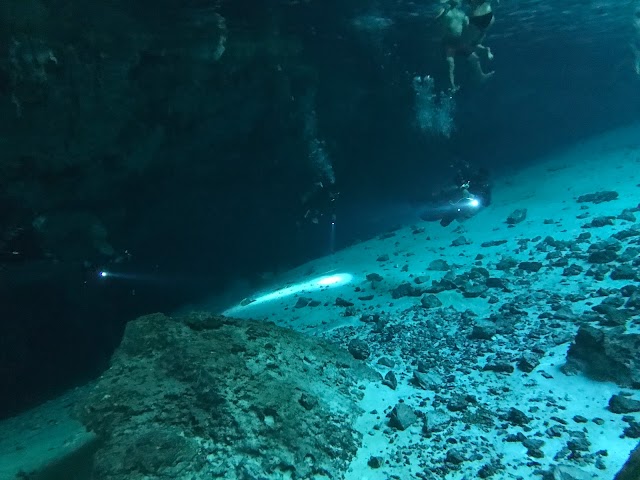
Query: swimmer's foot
486, 76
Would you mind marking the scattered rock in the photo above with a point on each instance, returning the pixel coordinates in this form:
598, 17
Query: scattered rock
454, 456
530, 267
405, 289
483, 331
457, 403
390, 380
528, 362
493, 243
517, 216
623, 404
633, 430
439, 266
386, 362
341, 302
600, 222
517, 417
624, 272
499, 367
605, 354
598, 197
460, 241
402, 417
436, 421
602, 256
488, 470
427, 381
302, 302
309, 402
473, 290
579, 443
359, 349
430, 301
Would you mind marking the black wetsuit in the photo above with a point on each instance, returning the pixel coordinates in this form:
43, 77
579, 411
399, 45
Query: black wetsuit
449, 205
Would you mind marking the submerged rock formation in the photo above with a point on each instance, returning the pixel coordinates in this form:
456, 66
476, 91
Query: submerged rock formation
224, 398
607, 354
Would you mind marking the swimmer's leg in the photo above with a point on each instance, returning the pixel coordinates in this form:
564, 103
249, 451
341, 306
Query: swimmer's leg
474, 61
451, 61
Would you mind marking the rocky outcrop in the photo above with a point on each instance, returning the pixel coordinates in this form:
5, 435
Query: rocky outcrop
631, 469
224, 398
606, 354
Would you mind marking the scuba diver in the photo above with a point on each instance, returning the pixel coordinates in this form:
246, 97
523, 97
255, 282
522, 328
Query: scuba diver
319, 204
470, 192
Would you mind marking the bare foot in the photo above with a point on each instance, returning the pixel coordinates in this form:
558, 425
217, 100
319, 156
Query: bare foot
487, 76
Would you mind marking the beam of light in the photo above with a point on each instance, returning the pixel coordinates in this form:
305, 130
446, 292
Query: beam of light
316, 284
112, 275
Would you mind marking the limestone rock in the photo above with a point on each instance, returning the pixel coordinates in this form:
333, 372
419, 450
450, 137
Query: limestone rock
211, 396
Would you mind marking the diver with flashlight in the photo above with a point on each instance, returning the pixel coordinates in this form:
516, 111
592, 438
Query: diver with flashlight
462, 208
320, 205
471, 193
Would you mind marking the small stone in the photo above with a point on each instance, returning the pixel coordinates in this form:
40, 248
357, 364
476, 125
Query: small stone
517, 417
517, 216
341, 302
454, 456
484, 331
430, 301
457, 404
439, 266
390, 380
528, 362
359, 349
499, 367
386, 362
402, 417
530, 267
598, 197
580, 444
302, 302
307, 401
460, 241
633, 430
428, 380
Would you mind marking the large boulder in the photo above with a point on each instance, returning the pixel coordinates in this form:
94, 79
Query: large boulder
606, 354
222, 398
